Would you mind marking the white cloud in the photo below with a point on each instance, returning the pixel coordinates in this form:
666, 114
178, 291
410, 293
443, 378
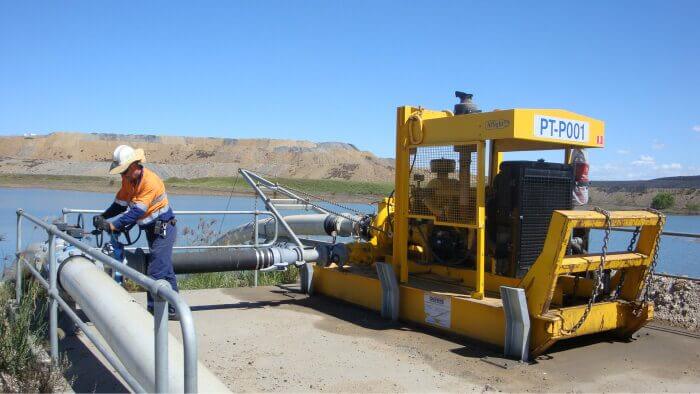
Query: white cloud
696, 128
623, 152
644, 160
647, 168
656, 145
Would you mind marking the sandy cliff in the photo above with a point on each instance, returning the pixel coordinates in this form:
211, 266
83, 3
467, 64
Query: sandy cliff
65, 153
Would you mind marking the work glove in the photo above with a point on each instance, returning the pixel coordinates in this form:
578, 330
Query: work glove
100, 223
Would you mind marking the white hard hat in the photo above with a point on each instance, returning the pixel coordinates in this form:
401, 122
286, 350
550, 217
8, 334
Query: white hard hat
123, 156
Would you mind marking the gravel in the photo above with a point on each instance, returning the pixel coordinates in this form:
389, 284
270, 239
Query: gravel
676, 302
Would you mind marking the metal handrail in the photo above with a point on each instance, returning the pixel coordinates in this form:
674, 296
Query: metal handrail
253, 180
162, 294
66, 211
666, 233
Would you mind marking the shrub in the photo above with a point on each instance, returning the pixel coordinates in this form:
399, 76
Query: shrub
662, 201
21, 333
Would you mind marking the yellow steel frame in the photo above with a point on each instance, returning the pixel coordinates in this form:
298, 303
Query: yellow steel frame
476, 309
553, 267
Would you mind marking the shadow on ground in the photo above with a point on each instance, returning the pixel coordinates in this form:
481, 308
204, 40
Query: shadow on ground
357, 315
88, 373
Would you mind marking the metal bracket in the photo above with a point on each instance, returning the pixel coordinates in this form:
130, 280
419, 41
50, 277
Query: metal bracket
517, 340
306, 272
390, 291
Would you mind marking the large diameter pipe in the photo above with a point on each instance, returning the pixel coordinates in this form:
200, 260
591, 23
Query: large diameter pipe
315, 224
127, 327
312, 224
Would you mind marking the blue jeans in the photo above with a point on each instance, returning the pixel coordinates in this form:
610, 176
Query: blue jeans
118, 254
160, 263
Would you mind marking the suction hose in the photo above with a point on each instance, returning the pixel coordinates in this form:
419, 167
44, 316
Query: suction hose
243, 259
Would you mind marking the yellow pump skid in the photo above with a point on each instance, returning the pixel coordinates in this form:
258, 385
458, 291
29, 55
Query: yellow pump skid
545, 284
467, 301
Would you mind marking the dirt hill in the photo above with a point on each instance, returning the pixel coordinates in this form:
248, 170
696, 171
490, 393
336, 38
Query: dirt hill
64, 153
674, 182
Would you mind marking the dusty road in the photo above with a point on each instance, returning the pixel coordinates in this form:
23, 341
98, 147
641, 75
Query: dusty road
274, 339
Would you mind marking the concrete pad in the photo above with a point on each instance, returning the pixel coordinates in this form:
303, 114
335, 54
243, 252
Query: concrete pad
275, 339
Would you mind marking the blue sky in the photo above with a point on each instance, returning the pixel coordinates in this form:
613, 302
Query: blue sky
336, 71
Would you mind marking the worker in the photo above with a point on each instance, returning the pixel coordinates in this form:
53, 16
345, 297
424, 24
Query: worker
142, 200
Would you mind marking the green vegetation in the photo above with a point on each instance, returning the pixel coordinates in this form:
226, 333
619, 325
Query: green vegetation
200, 185
20, 368
214, 280
662, 201
314, 186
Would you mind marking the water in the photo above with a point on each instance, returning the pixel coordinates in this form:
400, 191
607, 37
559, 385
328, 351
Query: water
677, 255
680, 256
47, 204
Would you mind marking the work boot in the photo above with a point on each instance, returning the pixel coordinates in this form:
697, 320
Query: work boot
171, 314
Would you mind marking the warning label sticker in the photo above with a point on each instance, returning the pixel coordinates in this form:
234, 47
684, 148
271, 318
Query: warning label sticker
437, 309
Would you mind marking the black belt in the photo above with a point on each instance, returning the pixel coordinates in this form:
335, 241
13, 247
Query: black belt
172, 221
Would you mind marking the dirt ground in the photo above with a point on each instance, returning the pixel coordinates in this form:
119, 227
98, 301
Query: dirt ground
275, 339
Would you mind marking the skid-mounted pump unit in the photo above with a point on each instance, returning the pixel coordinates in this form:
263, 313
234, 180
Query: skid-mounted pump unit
492, 249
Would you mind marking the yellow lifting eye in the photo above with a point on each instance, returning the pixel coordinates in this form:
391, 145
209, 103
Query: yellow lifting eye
415, 129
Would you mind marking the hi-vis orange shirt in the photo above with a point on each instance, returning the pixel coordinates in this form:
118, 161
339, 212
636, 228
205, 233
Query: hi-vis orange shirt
147, 196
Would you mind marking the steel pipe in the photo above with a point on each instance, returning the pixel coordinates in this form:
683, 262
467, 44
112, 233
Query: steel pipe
319, 224
127, 327
18, 267
315, 224
113, 361
189, 338
666, 233
53, 304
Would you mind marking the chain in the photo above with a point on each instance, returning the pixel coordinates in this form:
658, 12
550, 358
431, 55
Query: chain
228, 203
255, 217
655, 259
309, 195
598, 273
630, 248
633, 241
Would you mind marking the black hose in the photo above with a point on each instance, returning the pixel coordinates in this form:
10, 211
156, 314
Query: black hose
222, 260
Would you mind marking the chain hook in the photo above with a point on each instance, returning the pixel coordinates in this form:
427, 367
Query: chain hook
598, 274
